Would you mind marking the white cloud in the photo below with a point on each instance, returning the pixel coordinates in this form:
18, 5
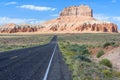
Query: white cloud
114, 19
117, 18
10, 3
107, 18
114, 1
6, 20
102, 17
37, 8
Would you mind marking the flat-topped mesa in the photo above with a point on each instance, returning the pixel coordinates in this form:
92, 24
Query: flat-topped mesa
81, 10
74, 19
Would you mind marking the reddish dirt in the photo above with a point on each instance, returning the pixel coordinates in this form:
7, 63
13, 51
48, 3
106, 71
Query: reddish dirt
111, 53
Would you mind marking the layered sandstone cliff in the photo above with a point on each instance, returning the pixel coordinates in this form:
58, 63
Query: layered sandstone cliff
13, 28
85, 26
78, 19
75, 19
77, 11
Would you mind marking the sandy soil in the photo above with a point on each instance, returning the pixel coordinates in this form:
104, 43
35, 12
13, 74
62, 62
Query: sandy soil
113, 54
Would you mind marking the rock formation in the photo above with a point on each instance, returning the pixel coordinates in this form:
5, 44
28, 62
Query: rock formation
77, 11
78, 19
13, 28
75, 19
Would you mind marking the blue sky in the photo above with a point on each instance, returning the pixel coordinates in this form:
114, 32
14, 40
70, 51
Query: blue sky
37, 11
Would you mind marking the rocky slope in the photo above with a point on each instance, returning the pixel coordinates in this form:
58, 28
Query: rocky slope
65, 25
13, 28
74, 19
79, 19
114, 56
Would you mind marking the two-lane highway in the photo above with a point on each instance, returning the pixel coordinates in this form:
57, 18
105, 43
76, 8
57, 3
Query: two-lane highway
30, 63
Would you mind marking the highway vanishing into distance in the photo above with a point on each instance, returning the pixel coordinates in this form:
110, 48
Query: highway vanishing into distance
36, 63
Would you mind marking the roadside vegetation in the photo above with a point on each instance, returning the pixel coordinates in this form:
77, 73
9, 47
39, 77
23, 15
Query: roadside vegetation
100, 53
106, 62
75, 50
91, 40
18, 41
109, 44
78, 58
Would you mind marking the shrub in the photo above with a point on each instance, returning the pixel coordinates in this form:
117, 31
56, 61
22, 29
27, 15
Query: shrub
80, 49
107, 73
116, 74
106, 62
9, 48
83, 58
108, 44
100, 53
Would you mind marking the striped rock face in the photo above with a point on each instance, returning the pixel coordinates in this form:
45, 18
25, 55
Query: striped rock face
81, 10
13, 28
77, 19
74, 19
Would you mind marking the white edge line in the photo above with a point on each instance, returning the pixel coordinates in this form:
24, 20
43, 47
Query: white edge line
48, 68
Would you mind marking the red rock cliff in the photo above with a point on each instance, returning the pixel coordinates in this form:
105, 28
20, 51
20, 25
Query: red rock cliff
77, 11
13, 28
78, 19
73, 19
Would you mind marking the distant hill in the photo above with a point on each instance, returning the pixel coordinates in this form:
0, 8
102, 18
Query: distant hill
74, 19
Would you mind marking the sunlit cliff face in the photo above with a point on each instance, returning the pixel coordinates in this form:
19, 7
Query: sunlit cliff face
74, 19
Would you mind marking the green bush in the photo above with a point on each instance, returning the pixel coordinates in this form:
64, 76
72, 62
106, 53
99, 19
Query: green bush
100, 53
108, 44
8, 47
107, 73
83, 58
79, 49
106, 62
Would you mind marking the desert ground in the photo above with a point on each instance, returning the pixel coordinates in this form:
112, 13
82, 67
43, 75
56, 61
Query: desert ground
73, 47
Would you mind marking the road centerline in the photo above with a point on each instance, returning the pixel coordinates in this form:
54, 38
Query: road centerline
13, 57
48, 68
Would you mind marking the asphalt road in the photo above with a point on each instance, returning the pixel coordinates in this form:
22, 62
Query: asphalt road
32, 63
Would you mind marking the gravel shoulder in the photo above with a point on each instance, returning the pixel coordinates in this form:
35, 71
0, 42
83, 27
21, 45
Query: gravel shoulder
59, 70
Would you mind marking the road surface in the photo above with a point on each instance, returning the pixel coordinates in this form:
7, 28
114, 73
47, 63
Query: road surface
36, 63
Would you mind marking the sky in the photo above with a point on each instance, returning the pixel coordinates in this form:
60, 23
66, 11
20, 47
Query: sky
38, 11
